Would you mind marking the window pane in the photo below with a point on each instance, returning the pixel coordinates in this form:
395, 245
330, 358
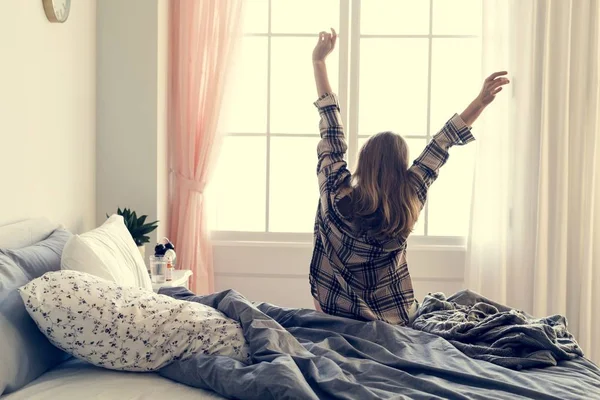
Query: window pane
394, 17
256, 19
247, 112
415, 147
294, 187
457, 17
453, 84
393, 86
293, 87
450, 195
306, 16
238, 188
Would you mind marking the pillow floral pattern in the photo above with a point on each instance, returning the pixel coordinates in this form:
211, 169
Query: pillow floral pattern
126, 328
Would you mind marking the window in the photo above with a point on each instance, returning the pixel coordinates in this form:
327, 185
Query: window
401, 65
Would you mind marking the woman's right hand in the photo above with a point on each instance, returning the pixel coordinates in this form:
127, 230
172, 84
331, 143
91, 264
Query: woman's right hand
324, 46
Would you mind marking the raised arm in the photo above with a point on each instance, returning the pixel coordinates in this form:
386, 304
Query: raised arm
426, 167
457, 131
331, 166
324, 47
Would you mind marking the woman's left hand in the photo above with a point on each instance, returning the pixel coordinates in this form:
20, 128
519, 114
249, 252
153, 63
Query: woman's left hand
491, 87
324, 46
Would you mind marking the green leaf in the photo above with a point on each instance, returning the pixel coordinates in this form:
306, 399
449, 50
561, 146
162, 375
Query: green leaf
119, 211
147, 229
130, 220
136, 232
142, 230
141, 220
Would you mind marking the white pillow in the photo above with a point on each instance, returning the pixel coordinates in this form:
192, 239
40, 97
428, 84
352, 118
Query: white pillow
108, 252
128, 329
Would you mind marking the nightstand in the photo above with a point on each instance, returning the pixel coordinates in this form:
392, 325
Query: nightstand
181, 277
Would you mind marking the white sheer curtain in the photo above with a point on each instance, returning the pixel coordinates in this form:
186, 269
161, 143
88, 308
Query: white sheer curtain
535, 225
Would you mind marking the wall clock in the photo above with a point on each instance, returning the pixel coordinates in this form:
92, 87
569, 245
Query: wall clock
57, 10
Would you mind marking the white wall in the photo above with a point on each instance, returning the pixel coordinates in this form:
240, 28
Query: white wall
278, 273
47, 114
131, 108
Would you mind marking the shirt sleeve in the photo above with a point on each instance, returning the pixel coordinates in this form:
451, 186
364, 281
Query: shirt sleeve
332, 169
425, 168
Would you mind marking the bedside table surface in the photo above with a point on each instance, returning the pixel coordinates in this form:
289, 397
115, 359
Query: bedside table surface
180, 278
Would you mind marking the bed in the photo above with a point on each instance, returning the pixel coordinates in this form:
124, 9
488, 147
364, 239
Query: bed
75, 379
304, 354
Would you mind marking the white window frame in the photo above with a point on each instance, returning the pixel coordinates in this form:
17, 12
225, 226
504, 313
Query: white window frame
348, 95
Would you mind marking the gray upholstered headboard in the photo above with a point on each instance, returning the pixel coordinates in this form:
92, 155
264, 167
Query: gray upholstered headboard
26, 233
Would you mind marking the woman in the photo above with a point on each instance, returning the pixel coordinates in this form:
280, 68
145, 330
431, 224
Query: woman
358, 267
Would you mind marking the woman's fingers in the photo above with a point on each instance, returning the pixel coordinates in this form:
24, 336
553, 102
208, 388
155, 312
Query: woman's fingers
498, 83
327, 40
496, 91
496, 75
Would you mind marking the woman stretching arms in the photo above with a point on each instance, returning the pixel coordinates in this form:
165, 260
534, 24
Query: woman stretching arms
358, 268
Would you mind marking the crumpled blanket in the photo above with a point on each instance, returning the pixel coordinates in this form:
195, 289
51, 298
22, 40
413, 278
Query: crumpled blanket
486, 330
304, 354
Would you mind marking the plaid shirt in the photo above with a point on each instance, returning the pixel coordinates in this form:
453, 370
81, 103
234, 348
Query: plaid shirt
353, 275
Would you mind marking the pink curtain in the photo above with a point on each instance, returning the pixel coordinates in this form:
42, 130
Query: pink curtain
203, 36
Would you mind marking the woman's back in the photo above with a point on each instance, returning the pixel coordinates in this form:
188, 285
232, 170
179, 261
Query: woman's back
358, 267
359, 270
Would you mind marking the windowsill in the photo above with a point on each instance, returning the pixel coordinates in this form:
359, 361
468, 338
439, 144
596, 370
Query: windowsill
279, 255
305, 240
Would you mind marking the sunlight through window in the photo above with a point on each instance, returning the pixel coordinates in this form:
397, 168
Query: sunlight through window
411, 66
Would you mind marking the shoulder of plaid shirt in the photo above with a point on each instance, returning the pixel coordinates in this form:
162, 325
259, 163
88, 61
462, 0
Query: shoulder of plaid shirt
333, 174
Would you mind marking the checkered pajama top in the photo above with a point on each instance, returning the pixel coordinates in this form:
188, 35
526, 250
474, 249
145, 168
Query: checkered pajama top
351, 274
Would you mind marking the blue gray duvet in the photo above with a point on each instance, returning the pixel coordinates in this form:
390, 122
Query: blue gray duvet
486, 330
302, 354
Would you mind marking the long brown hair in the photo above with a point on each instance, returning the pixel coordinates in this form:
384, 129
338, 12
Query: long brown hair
384, 202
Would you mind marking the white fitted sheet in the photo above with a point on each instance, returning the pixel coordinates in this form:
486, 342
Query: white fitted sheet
77, 380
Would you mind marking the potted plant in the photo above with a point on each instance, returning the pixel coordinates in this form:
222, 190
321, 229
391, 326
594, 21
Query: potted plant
138, 228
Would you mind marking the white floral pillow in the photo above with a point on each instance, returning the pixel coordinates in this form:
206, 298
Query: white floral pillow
126, 328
